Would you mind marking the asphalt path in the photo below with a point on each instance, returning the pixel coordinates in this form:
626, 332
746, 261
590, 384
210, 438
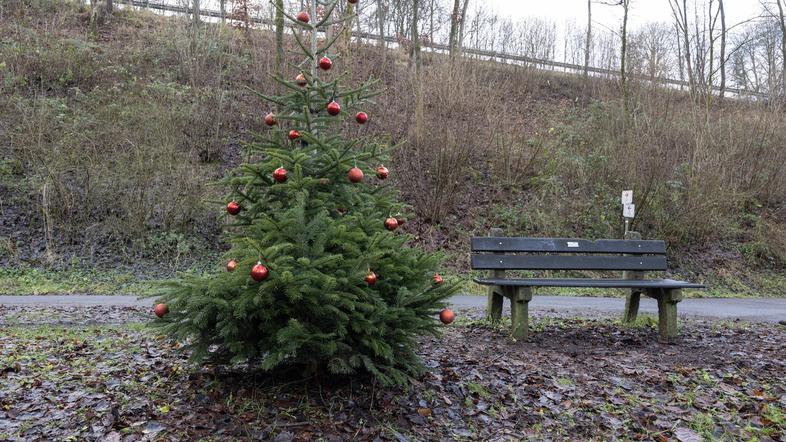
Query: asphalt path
748, 309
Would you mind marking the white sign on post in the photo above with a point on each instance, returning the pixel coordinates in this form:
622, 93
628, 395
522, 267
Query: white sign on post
629, 210
627, 197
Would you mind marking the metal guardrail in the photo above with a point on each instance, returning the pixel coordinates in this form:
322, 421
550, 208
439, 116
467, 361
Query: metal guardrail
437, 47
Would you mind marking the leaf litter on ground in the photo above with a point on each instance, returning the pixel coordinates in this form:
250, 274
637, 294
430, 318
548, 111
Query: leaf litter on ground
98, 374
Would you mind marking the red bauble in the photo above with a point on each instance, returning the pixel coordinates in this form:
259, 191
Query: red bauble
270, 119
161, 310
294, 134
325, 63
231, 265
352, 1
371, 278
361, 117
447, 316
259, 272
437, 279
233, 207
303, 16
391, 224
382, 172
333, 108
300, 80
280, 175
355, 175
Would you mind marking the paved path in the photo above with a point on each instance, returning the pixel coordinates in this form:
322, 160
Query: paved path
763, 310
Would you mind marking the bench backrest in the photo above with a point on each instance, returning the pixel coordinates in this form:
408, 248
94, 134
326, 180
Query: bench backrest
503, 253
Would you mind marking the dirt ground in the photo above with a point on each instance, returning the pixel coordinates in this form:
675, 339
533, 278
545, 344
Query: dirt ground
97, 374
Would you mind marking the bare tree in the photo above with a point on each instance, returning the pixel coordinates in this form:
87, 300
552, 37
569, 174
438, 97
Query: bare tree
196, 11
588, 42
722, 12
782, 24
279, 7
454, 24
415, 50
680, 12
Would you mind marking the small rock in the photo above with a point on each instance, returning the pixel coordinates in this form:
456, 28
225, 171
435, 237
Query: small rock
284, 436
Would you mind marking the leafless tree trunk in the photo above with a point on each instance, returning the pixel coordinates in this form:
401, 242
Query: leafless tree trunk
626, 107
680, 61
454, 23
196, 11
222, 4
722, 11
462, 21
782, 24
415, 50
588, 42
279, 7
680, 12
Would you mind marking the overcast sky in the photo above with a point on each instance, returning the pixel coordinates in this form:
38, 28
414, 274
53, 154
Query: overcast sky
642, 11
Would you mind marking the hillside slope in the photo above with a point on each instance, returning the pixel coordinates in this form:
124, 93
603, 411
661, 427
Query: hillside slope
109, 145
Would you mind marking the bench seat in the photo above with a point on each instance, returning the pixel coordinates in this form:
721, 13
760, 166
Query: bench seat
631, 256
589, 283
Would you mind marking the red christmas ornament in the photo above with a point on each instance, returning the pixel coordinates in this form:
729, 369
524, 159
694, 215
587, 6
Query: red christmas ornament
294, 134
300, 80
280, 175
371, 278
270, 119
259, 272
361, 117
161, 310
437, 279
231, 265
447, 316
303, 16
352, 1
233, 207
333, 108
325, 63
391, 224
355, 175
382, 172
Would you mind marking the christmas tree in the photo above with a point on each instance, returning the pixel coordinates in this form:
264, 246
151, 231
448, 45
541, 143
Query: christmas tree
320, 275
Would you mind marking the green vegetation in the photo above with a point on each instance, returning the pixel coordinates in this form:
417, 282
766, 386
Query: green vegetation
33, 281
111, 143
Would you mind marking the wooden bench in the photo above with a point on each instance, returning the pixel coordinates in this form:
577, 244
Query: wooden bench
632, 255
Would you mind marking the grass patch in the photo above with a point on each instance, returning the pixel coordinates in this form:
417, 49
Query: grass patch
32, 281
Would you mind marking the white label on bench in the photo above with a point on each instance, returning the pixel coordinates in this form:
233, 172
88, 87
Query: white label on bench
573, 244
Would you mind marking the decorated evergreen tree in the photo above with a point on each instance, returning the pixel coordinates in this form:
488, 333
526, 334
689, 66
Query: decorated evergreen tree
320, 275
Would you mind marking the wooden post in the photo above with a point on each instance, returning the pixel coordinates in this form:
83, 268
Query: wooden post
495, 294
519, 312
632, 299
667, 315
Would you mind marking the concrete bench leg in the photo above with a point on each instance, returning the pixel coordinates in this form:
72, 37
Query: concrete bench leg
631, 306
519, 312
667, 315
633, 298
494, 307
